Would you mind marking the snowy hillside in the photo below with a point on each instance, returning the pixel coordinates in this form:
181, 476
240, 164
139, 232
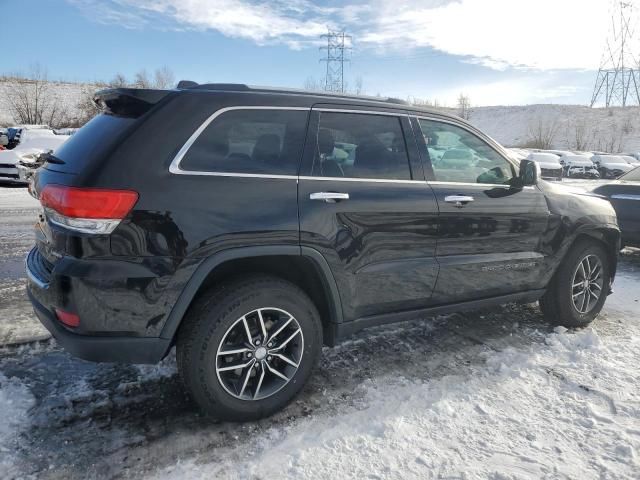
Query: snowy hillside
67, 96
596, 128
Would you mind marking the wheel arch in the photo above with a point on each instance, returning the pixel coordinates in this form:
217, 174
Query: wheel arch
303, 266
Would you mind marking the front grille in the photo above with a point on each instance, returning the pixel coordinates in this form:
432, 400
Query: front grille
7, 165
9, 175
548, 172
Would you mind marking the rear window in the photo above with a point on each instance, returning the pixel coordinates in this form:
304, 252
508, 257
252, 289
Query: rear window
250, 141
92, 141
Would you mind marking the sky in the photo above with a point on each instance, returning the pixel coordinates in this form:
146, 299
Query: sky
497, 52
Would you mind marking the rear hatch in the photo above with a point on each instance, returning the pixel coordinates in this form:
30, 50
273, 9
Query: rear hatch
79, 212
121, 109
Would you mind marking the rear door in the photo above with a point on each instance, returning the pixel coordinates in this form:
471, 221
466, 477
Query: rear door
365, 206
489, 240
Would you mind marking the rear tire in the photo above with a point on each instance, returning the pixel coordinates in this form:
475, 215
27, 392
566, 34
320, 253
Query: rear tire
570, 299
235, 318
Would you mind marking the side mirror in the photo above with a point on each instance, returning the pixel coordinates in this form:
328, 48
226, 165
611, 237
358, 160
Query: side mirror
529, 173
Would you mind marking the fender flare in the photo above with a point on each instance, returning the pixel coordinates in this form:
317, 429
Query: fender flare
209, 264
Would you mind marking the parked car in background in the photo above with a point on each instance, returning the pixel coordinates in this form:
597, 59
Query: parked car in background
4, 140
624, 195
560, 153
24, 157
549, 163
579, 166
611, 166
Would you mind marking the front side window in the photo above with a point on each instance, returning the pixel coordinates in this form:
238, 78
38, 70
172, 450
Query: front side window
250, 141
458, 155
354, 145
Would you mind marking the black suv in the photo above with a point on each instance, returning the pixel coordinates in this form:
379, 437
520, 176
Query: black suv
248, 227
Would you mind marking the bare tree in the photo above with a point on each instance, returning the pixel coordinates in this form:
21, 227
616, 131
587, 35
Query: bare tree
542, 134
164, 78
464, 106
142, 80
359, 88
87, 108
31, 100
313, 84
579, 135
118, 81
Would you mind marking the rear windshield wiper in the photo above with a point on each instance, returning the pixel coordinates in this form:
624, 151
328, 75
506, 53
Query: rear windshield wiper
53, 159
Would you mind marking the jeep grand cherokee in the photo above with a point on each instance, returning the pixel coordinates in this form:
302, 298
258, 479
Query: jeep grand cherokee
248, 227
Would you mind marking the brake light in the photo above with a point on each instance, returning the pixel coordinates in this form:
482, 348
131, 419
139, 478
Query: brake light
87, 210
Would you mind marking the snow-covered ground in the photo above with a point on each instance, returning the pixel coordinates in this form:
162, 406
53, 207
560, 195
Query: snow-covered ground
487, 394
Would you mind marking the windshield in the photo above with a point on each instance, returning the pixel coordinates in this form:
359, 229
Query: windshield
632, 176
612, 159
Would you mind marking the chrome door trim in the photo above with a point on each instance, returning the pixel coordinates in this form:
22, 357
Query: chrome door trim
175, 163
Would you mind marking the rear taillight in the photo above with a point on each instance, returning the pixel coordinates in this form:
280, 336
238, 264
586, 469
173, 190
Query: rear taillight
87, 210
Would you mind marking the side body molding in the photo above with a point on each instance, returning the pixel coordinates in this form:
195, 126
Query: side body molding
210, 264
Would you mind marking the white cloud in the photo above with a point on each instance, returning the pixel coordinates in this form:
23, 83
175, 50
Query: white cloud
512, 91
542, 34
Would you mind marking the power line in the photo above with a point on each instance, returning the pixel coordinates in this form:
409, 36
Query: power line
618, 79
338, 44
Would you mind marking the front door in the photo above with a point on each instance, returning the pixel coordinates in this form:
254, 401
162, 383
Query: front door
489, 240
365, 206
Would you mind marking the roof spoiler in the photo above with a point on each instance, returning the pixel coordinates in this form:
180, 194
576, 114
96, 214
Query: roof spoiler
128, 102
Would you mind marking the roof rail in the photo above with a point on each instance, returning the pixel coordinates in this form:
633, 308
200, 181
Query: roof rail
186, 84
241, 87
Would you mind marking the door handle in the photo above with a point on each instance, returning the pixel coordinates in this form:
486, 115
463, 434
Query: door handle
458, 201
329, 197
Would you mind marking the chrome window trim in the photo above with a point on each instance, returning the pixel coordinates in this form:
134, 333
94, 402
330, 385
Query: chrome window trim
626, 196
483, 185
175, 163
354, 179
364, 112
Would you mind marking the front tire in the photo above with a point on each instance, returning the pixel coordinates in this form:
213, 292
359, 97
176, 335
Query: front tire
266, 327
579, 288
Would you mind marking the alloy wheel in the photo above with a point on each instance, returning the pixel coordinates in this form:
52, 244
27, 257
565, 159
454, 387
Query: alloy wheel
259, 353
587, 284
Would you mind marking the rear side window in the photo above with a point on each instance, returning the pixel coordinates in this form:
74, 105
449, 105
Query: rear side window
250, 141
92, 141
360, 146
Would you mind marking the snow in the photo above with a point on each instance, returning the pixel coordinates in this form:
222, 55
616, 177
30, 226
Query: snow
66, 95
599, 127
33, 142
15, 402
493, 394
566, 407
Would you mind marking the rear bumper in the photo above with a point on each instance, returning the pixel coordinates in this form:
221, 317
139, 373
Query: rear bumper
48, 290
101, 349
